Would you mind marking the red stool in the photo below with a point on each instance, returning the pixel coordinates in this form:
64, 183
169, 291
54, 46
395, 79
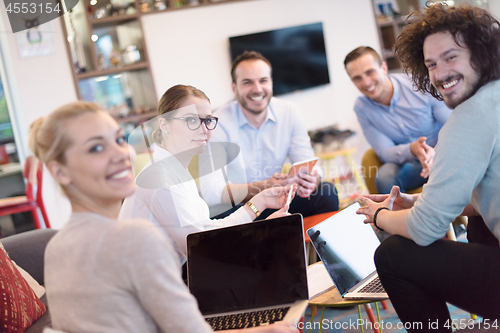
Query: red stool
30, 202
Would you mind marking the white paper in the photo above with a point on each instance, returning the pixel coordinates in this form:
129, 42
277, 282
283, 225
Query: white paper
318, 280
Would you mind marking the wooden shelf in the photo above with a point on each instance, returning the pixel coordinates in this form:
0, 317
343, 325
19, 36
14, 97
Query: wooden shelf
112, 71
388, 54
170, 9
390, 27
135, 118
113, 19
384, 23
88, 24
204, 3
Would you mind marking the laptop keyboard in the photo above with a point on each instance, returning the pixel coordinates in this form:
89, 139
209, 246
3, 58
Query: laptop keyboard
375, 286
247, 319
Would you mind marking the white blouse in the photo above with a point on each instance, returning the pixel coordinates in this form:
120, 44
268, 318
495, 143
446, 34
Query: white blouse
167, 195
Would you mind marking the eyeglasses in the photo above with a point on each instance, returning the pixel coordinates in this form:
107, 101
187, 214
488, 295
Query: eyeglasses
193, 123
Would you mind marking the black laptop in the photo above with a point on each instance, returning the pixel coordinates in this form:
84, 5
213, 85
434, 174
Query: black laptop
251, 274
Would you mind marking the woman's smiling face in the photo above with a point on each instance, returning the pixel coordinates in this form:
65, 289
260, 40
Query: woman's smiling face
179, 137
97, 166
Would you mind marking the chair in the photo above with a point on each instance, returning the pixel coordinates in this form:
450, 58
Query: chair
139, 161
370, 164
32, 171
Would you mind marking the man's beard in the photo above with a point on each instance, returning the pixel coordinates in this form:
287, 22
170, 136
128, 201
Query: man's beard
244, 104
471, 90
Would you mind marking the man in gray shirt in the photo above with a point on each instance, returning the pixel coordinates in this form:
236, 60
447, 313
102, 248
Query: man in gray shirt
454, 54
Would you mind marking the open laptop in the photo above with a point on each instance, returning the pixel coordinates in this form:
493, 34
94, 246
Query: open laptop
251, 274
346, 247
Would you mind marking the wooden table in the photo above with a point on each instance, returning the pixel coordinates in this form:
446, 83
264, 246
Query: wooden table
332, 298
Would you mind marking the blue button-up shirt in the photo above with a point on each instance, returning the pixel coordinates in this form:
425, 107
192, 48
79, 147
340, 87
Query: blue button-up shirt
263, 150
391, 129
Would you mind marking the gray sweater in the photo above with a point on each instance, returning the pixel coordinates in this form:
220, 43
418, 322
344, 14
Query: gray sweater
466, 169
104, 275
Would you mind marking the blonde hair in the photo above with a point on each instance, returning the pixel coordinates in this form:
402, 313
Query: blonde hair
171, 100
48, 139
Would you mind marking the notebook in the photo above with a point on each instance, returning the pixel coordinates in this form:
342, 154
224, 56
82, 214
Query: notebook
251, 274
346, 247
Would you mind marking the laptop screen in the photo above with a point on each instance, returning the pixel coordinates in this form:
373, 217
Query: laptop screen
346, 246
248, 266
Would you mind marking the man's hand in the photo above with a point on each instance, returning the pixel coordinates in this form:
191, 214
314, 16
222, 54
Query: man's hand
401, 200
424, 153
307, 183
427, 164
252, 189
371, 206
280, 179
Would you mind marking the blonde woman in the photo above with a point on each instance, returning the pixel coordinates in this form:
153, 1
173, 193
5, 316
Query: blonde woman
101, 274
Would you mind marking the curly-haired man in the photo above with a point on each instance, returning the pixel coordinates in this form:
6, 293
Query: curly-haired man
453, 53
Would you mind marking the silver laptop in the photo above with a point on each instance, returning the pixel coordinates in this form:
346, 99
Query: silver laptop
251, 274
346, 247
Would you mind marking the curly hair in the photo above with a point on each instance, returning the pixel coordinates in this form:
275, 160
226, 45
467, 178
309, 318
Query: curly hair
472, 26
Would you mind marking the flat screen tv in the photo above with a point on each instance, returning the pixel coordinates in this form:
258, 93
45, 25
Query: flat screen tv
297, 55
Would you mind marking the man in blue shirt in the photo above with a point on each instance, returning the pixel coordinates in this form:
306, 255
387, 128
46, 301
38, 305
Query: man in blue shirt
400, 124
268, 130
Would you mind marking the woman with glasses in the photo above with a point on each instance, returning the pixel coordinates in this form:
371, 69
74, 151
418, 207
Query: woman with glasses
167, 194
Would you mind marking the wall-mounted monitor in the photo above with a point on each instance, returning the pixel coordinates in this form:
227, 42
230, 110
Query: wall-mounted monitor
297, 55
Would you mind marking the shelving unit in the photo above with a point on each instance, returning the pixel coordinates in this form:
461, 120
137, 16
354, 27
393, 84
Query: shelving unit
186, 4
113, 19
109, 55
390, 25
112, 71
136, 118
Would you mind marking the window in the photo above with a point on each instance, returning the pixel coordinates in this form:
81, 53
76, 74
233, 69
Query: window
7, 146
